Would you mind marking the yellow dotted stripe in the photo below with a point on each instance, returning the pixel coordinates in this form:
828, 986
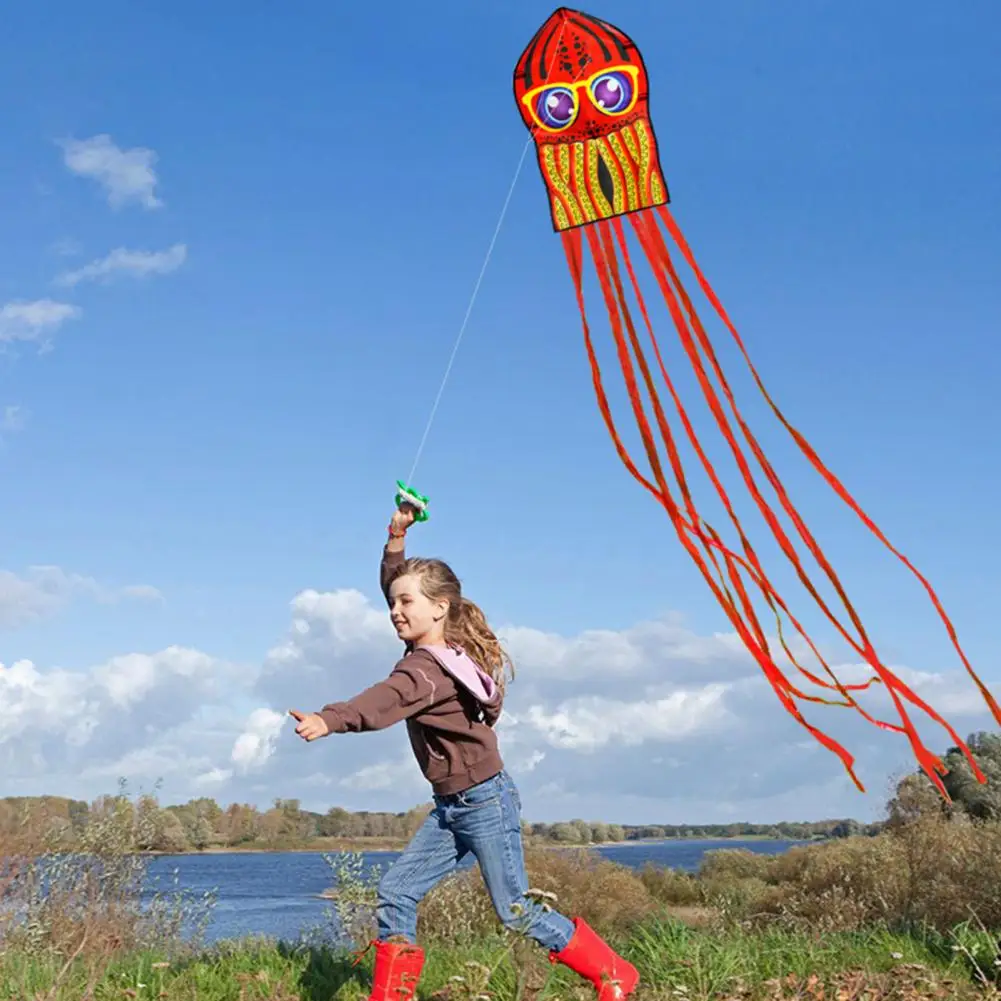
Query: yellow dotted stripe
580, 183
557, 175
657, 191
646, 164
629, 138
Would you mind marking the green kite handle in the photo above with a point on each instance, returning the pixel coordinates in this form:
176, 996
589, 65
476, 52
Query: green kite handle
407, 495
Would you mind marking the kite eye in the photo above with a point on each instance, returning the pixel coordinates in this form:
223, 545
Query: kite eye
556, 107
612, 92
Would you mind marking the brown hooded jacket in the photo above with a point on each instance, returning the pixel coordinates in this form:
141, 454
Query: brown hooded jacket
449, 704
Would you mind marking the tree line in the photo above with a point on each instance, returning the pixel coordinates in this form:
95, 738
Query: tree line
203, 823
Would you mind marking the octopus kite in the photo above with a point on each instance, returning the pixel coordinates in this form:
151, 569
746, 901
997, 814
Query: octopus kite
582, 90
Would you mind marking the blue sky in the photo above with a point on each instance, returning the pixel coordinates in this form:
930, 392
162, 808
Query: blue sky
321, 185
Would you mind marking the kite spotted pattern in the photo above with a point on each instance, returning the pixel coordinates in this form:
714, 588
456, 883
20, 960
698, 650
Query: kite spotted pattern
582, 90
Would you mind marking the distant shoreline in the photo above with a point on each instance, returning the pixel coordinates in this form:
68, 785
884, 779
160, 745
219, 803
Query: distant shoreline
385, 845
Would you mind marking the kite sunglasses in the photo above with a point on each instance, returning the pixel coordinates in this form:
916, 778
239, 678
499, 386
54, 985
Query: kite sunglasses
613, 91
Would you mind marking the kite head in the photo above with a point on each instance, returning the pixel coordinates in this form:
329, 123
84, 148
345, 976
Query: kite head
582, 90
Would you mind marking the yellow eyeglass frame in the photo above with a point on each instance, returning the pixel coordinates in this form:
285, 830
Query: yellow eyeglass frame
530, 99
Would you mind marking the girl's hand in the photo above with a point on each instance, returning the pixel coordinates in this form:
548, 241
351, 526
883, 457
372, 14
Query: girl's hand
310, 726
403, 517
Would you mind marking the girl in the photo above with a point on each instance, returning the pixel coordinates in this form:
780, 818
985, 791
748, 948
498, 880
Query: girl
449, 689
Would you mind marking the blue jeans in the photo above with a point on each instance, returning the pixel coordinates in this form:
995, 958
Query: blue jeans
486, 821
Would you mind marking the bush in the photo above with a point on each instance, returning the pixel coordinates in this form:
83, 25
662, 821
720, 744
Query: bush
931, 872
728, 865
353, 895
610, 897
670, 887
87, 905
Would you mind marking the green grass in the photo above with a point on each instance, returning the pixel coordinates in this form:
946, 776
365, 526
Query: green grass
675, 962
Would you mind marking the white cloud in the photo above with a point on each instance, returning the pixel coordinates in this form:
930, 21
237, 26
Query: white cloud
135, 263
130, 678
522, 764
215, 776
383, 775
43, 591
28, 695
136, 764
679, 727
325, 623
258, 742
590, 722
619, 656
80, 730
127, 175
34, 321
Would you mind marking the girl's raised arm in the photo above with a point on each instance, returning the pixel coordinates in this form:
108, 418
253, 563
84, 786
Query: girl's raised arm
393, 554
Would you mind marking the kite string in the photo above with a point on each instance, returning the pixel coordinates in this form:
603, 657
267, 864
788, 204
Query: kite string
469, 308
486, 261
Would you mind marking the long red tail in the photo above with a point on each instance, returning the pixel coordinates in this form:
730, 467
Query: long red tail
726, 572
817, 463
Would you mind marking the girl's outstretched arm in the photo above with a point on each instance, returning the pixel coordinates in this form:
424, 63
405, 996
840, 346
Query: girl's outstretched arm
413, 687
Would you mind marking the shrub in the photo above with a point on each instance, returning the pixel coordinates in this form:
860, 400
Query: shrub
88, 904
610, 897
669, 886
932, 872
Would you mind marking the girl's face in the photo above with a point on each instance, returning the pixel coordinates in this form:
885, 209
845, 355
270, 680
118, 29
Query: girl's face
415, 617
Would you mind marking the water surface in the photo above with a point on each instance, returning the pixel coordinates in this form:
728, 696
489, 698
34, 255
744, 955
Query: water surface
278, 894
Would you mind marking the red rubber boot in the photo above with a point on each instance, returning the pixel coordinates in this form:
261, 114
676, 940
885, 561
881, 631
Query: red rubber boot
590, 956
398, 967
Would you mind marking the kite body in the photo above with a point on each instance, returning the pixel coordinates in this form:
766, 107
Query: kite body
582, 90
581, 87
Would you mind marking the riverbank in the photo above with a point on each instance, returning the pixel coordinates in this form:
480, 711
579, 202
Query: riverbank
332, 845
336, 845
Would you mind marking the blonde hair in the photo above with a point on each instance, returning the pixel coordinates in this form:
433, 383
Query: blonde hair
465, 625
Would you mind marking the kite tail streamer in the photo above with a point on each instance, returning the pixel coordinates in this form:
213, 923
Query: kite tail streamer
673, 291
769, 593
694, 533
818, 464
750, 634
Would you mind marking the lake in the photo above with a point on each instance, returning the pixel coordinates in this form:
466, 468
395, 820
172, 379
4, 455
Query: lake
277, 894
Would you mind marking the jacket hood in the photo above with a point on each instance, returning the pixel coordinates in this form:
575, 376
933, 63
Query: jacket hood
456, 662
